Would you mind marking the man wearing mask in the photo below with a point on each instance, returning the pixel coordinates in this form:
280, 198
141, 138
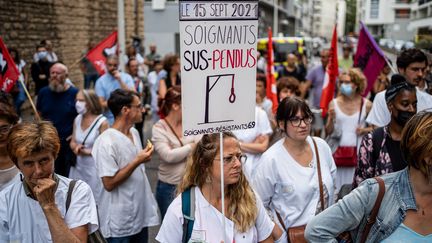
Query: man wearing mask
51, 56
56, 103
113, 79
40, 69
412, 64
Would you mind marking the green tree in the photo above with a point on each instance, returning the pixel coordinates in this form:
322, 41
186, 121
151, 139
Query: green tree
350, 20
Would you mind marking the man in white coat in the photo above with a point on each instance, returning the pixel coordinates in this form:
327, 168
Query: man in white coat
127, 205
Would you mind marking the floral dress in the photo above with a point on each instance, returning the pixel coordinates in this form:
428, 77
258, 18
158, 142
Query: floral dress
368, 166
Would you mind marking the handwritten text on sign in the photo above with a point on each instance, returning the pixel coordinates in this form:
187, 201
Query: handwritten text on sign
218, 65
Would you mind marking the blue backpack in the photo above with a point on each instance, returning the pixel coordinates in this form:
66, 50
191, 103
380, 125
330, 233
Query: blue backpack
188, 210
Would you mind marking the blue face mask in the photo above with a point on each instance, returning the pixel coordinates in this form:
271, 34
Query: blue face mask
42, 54
346, 89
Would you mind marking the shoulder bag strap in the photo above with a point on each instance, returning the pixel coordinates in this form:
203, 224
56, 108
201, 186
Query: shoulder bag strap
91, 129
172, 130
372, 217
188, 210
69, 193
359, 118
320, 183
281, 221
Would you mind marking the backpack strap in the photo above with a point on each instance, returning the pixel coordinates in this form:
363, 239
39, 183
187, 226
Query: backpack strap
372, 217
69, 193
188, 210
377, 139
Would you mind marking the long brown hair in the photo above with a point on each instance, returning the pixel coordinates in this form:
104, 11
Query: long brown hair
242, 208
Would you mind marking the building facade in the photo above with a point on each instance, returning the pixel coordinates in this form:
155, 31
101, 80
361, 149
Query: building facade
387, 18
162, 25
70, 25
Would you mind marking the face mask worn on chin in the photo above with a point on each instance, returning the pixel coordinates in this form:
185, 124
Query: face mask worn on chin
80, 106
42, 55
403, 117
346, 89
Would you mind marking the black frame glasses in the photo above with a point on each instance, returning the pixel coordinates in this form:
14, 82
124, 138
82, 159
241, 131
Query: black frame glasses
296, 121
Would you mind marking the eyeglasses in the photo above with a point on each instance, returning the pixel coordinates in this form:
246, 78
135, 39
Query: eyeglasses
230, 159
296, 121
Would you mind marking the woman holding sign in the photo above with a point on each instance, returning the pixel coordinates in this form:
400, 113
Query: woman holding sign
295, 177
245, 216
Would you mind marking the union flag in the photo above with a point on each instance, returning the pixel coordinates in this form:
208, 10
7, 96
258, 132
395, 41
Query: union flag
9, 73
97, 56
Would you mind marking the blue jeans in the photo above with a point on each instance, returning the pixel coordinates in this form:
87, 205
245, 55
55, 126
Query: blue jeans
141, 237
90, 78
165, 194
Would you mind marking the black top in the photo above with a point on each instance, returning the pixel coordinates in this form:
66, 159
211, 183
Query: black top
395, 153
297, 73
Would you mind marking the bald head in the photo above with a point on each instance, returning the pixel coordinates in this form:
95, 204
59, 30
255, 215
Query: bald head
60, 66
291, 60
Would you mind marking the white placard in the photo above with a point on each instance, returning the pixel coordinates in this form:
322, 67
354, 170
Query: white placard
218, 43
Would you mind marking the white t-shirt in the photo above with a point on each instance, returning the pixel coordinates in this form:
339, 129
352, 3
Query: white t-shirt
291, 189
22, 218
208, 224
380, 114
262, 127
8, 176
131, 206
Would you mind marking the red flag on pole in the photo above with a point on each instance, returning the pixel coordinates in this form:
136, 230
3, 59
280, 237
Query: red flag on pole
97, 56
271, 82
332, 72
369, 57
9, 73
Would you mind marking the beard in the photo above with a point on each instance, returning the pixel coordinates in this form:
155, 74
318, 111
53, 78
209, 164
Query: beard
57, 88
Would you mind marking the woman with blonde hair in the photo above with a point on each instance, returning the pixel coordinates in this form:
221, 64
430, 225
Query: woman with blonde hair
346, 123
245, 216
88, 125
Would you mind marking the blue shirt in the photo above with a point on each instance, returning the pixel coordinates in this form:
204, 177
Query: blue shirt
404, 234
107, 84
59, 108
351, 212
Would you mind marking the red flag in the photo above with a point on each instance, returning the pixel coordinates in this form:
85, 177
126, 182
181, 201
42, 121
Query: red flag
9, 73
332, 72
97, 56
369, 57
271, 82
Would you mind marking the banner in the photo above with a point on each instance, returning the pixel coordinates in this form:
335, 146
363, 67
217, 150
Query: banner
9, 73
271, 91
369, 57
332, 72
218, 51
97, 56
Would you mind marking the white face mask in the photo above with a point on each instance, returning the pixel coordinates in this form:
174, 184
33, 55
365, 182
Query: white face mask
80, 106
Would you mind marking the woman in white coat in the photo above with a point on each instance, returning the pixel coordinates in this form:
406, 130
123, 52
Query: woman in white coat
245, 217
286, 178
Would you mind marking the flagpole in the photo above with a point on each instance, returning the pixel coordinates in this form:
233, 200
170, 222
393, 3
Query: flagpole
121, 33
30, 99
76, 62
222, 184
390, 66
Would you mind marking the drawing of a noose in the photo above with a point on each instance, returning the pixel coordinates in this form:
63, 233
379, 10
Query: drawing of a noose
232, 96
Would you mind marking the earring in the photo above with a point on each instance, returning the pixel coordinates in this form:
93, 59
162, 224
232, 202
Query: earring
208, 179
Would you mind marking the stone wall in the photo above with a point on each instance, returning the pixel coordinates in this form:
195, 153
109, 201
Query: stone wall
69, 24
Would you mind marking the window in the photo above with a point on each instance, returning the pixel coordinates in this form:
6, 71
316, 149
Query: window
402, 13
374, 9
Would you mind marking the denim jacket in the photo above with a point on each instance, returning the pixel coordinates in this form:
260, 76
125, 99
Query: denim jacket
351, 213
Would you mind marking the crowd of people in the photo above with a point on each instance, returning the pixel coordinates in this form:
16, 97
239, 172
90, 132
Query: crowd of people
79, 174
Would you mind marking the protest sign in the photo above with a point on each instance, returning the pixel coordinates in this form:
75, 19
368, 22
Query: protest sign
218, 65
